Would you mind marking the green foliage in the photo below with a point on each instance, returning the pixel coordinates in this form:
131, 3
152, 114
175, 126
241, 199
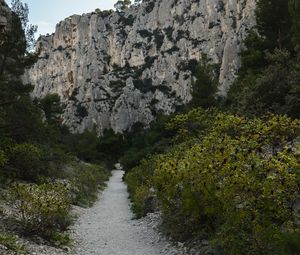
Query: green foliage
294, 9
9, 241
193, 124
110, 146
22, 12
204, 86
35, 147
87, 180
275, 28
122, 5
3, 158
139, 143
291, 242
269, 76
52, 108
25, 161
19, 117
81, 111
41, 208
139, 186
88, 146
83, 145
232, 180
60, 239
275, 89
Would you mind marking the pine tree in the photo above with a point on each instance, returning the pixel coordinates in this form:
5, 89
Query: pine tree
122, 5
274, 22
204, 86
294, 9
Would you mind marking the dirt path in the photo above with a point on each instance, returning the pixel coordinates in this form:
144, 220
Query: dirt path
108, 229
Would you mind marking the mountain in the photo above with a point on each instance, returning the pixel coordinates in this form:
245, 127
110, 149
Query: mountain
113, 69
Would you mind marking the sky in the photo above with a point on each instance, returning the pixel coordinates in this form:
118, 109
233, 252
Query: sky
47, 13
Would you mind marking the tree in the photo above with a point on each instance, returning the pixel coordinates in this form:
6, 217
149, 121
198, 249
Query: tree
52, 108
17, 41
204, 86
22, 11
269, 76
275, 28
275, 89
294, 9
122, 5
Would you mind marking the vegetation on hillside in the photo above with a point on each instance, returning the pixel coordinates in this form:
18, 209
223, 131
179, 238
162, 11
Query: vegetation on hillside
40, 176
229, 172
225, 170
269, 76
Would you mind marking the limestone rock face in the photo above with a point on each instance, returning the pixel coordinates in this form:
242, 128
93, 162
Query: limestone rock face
115, 69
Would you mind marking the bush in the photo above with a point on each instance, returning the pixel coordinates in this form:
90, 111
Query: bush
232, 180
41, 208
236, 186
2, 158
25, 161
139, 186
60, 239
87, 181
10, 242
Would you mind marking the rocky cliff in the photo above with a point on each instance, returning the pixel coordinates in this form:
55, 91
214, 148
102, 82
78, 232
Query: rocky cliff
115, 69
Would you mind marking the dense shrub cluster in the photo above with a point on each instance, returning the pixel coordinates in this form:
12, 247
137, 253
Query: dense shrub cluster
139, 181
234, 183
38, 164
45, 208
86, 181
41, 208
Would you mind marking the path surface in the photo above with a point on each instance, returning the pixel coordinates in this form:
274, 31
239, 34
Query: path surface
108, 229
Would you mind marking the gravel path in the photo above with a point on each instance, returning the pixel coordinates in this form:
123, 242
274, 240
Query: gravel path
108, 229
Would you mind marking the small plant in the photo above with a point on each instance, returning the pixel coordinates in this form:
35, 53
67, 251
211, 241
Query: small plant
60, 239
10, 242
81, 111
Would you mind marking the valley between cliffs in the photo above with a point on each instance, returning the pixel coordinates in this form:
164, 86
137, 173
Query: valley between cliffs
108, 228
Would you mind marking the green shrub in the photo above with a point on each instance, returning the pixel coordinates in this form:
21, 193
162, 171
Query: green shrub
10, 242
291, 242
139, 186
87, 181
25, 161
41, 208
232, 180
3, 159
143, 201
235, 186
60, 239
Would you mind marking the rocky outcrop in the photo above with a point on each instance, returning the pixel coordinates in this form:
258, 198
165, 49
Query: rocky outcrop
115, 69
